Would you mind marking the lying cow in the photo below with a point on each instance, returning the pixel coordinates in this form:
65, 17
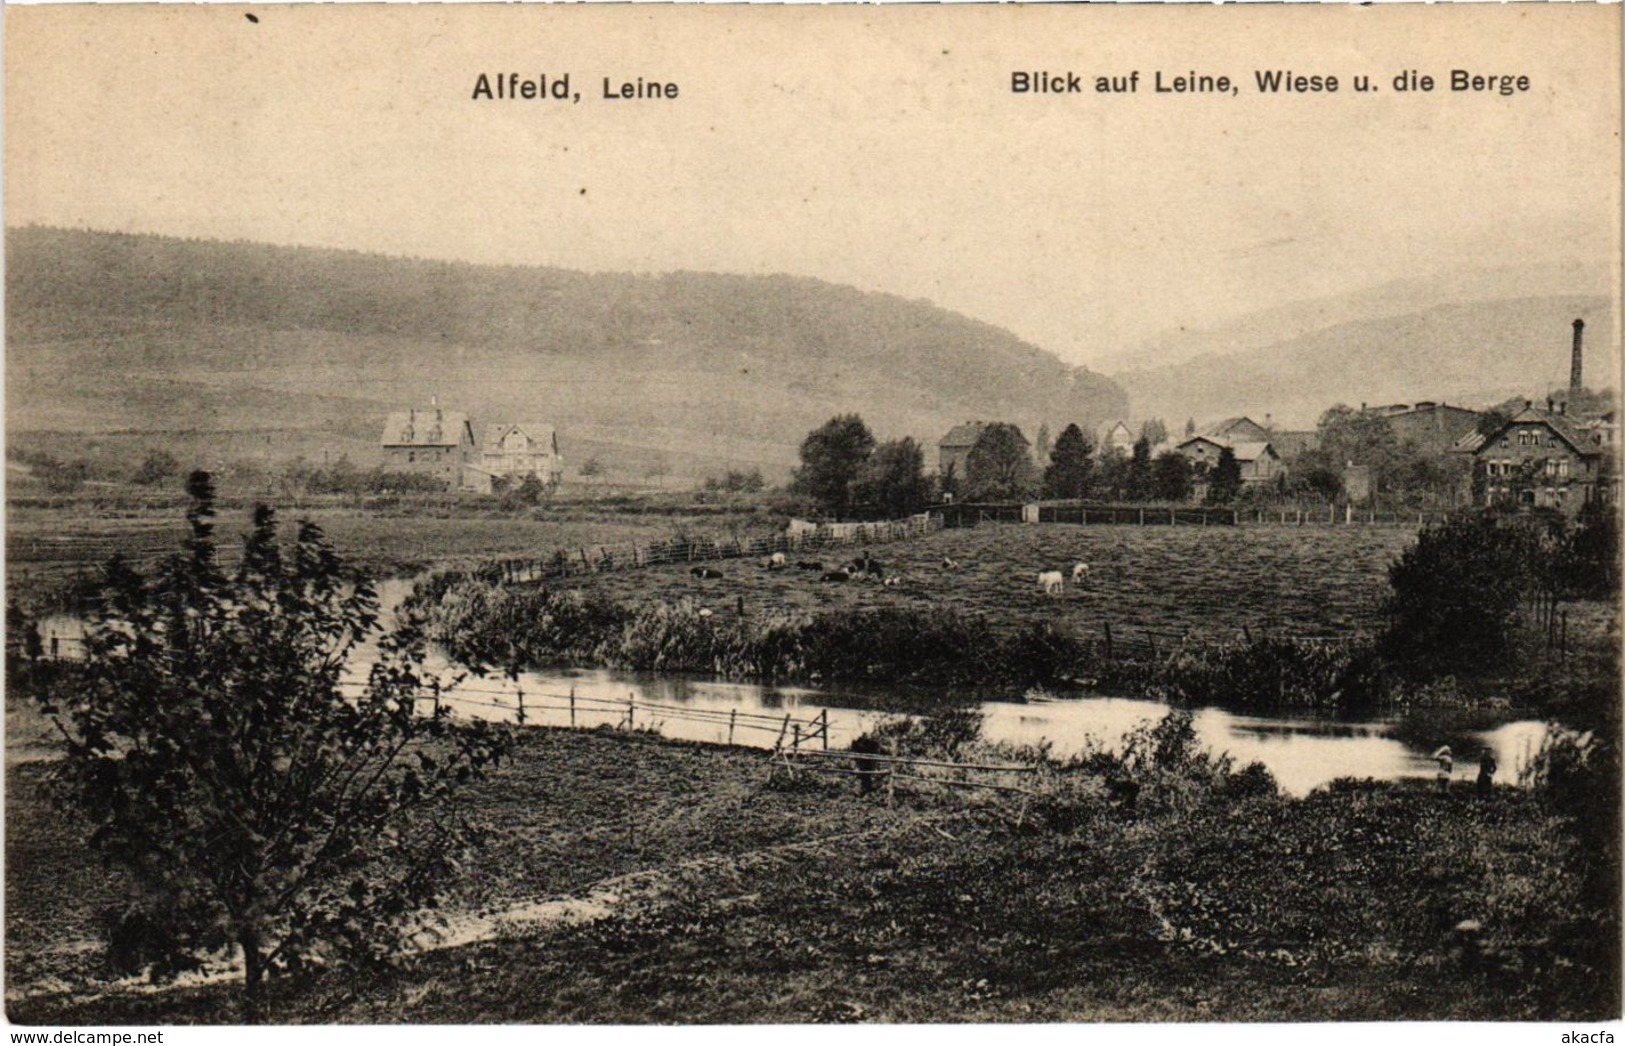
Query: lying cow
705, 573
836, 575
1050, 582
809, 564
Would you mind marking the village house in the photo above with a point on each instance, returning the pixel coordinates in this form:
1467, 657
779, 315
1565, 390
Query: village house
1239, 430
1541, 459
955, 447
1258, 460
515, 450
1432, 428
1118, 437
433, 441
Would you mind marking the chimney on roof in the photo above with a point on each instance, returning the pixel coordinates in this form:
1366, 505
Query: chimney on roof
1362, 406
1574, 357
1551, 407
1269, 422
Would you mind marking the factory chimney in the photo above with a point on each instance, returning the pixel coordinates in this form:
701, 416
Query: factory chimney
1574, 359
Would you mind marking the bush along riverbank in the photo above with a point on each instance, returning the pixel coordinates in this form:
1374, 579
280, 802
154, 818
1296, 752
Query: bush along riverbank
485, 624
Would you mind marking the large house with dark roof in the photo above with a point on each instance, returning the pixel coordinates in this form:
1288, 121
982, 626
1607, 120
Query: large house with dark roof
1541, 459
433, 441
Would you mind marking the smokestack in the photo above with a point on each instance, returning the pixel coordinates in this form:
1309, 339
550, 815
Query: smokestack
1574, 360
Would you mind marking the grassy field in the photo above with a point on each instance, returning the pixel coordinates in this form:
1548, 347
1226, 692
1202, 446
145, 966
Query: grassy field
47, 544
1210, 581
735, 899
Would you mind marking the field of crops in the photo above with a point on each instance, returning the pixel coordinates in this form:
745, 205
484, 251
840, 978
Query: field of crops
1207, 581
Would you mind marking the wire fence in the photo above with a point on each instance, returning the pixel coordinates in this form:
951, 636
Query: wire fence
811, 537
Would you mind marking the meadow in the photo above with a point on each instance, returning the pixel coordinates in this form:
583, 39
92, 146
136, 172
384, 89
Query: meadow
720, 891
1208, 582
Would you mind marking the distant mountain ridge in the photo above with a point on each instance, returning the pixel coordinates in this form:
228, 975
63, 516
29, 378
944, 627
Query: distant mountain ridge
1471, 353
687, 371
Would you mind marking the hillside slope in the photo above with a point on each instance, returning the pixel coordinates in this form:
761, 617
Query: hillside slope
304, 348
1471, 353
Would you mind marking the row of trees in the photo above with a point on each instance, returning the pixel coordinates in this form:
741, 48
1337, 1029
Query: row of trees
845, 472
1077, 470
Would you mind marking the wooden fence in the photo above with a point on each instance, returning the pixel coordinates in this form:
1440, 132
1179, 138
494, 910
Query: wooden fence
603, 558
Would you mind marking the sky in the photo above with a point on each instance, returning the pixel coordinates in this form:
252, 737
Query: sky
878, 147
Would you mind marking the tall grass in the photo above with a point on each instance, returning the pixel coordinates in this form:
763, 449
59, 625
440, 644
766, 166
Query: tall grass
486, 624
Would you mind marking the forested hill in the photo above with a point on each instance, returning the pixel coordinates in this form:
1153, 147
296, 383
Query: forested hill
111, 331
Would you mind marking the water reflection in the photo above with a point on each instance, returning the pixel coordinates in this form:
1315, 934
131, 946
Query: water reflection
1301, 751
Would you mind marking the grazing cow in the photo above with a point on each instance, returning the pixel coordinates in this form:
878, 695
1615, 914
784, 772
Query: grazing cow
775, 561
867, 564
705, 573
1050, 581
809, 564
948, 563
1080, 573
836, 575
705, 611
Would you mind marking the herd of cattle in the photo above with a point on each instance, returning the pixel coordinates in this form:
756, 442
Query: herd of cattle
867, 568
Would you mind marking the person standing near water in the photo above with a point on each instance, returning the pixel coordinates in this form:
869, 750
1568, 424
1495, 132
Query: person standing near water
1486, 772
1447, 763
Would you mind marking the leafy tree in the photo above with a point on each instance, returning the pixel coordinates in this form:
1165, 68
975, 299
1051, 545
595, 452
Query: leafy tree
1171, 476
1224, 482
157, 467
1042, 446
1492, 421
832, 456
1112, 472
221, 763
1000, 465
1153, 431
893, 479
1137, 483
1456, 595
1190, 427
1071, 465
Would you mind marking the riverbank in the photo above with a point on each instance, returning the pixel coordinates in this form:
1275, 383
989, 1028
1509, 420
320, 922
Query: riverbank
742, 896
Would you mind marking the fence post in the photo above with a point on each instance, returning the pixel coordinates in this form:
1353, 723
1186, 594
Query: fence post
1563, 640
54, 648
795, 742
824, 715
519, 691
1108, 640
732, 714
631, 710
572, 707
436, 686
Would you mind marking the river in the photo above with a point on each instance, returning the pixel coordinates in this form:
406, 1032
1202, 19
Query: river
1301, 750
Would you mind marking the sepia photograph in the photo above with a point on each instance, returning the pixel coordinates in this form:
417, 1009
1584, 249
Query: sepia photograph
628, 515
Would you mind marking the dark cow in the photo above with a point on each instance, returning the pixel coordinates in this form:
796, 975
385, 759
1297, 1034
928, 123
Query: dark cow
809, 564
706, 573
836, 575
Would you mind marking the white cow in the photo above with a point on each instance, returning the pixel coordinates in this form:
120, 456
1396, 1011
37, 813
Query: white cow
1050, 581
776, 561
1080, 573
